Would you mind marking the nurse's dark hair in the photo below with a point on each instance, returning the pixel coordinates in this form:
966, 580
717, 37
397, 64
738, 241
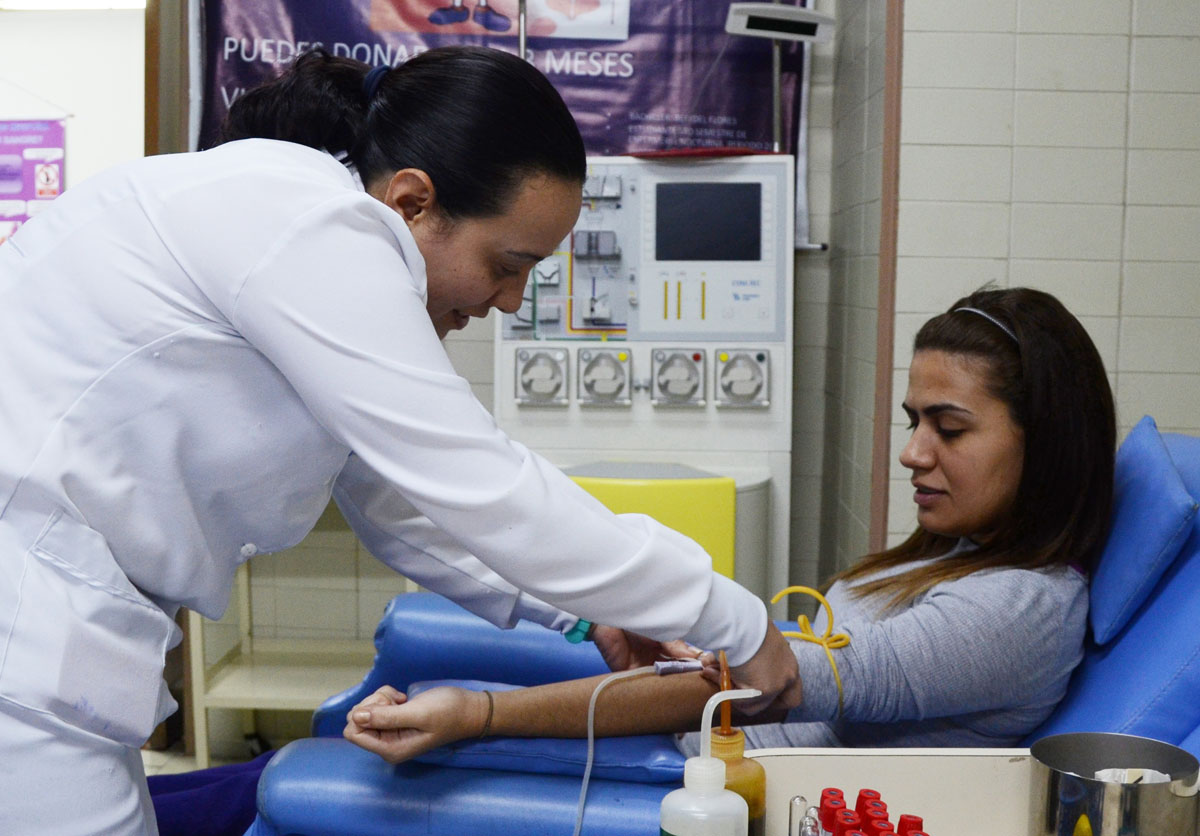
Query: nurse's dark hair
1050, 375
476, 120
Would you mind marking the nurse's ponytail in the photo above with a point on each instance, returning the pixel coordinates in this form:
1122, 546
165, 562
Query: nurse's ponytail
476, 120
318, 102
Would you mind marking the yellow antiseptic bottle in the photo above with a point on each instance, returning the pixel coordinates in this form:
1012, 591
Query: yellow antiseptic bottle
743, 775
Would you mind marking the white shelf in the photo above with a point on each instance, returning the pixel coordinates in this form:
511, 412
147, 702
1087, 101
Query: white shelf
297, 678
256, 674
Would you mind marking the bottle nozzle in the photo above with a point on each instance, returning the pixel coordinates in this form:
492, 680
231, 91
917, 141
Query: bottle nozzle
711, 706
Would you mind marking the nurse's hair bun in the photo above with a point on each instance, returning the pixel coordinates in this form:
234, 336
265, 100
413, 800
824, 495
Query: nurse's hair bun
476, 120
318, 102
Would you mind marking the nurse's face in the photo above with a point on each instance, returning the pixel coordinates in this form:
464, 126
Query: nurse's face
476, 264
966, 452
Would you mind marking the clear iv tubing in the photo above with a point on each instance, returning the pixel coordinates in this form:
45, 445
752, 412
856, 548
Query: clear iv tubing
660, 668
591, 729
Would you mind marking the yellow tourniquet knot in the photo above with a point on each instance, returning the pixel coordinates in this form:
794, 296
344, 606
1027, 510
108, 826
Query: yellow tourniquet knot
830, 640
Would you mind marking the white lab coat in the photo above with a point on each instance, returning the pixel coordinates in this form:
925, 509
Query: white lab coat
196, 350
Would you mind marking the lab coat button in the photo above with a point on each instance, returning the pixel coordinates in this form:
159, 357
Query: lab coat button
249, 550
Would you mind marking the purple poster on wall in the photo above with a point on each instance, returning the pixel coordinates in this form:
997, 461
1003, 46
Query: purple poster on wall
31, 170
639, 76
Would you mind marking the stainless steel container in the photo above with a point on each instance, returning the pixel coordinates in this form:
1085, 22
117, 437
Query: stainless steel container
1069, 801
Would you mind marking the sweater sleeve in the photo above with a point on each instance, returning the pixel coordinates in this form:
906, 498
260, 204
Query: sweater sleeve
337, 303
992, 640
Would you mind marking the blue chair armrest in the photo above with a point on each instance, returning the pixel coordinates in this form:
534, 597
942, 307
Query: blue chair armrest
317, 787
424, 636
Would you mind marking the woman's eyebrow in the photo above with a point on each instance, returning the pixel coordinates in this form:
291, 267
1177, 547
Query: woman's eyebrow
937, 409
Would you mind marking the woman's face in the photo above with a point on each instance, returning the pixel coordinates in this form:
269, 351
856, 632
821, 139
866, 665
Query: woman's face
966, 452
476, 264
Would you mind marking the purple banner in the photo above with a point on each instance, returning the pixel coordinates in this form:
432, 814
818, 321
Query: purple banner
642, 76
31, 170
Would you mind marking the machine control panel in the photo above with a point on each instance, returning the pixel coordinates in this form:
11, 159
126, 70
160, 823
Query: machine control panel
664, 250
678, 376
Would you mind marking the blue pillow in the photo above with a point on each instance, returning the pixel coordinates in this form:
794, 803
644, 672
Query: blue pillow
644, 759
1152, 516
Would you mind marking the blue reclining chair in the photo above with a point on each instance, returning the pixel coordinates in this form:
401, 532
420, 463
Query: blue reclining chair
1140, 675
499, 785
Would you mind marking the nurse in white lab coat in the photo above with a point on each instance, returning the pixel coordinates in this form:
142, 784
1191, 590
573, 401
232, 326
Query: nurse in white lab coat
198, 350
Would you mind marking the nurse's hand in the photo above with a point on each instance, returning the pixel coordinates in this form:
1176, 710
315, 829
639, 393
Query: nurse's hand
397, 729
624, 651
773, 671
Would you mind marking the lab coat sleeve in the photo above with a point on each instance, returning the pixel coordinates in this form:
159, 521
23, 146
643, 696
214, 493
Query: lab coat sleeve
395, 533
337, 304
992, 640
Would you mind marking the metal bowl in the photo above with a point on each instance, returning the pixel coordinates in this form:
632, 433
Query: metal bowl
1069, 801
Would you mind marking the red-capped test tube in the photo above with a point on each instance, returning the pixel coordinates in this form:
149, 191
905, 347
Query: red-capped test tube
865, 795
872, 804
832, 792
880, 827
829, 809
845, 820
869, 816
907, 824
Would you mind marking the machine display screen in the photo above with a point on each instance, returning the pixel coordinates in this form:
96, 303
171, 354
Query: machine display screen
708, 222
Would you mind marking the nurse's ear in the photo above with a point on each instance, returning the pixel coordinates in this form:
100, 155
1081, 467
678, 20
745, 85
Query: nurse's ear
411, 193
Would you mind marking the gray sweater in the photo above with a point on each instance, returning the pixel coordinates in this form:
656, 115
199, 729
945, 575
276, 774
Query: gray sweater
975, 662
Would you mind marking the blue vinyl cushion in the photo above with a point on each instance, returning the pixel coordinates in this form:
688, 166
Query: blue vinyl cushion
326, 787
648, 759
1152, 516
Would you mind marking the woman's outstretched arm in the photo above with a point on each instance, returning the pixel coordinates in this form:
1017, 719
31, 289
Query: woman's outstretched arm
397, 728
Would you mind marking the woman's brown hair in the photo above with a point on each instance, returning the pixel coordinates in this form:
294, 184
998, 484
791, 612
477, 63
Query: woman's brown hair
1049, 373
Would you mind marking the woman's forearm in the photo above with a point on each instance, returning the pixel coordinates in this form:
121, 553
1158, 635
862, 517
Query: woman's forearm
397, 728
645, 704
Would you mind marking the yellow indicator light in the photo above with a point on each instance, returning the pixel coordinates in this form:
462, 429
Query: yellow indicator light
679, 300
622, 356
724, 356
703, 300
666, 298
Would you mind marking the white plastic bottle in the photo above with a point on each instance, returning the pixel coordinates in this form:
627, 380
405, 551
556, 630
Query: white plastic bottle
703, 807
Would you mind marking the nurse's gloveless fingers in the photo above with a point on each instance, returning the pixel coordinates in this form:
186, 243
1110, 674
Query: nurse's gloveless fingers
679, 649
772, 670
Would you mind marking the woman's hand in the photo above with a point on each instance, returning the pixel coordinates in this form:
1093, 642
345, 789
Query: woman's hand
397, 728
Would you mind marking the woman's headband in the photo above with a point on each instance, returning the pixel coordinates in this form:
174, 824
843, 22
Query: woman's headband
992, 320
372, 80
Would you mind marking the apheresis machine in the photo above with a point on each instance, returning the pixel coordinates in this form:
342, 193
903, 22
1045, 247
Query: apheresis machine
652, 355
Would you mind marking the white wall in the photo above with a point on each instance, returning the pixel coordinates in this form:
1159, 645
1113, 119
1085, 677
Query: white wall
1057, 145
85, 63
